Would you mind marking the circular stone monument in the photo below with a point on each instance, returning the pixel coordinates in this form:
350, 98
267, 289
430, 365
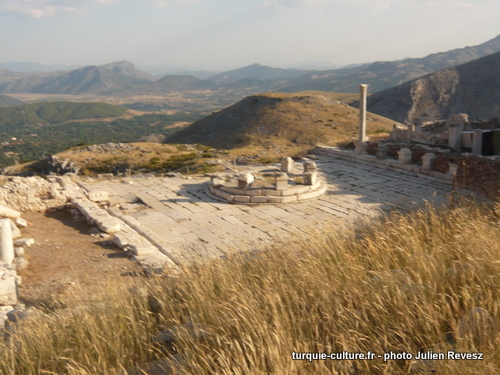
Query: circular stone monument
269, 187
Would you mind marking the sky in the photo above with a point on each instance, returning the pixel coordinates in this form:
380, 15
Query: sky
228, 34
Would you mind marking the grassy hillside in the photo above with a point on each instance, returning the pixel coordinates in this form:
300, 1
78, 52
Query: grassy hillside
6, 101
55, 113
29, 142
425, 281
298, 120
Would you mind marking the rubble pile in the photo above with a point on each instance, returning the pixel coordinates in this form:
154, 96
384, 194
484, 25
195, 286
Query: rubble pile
34, 193
11, 260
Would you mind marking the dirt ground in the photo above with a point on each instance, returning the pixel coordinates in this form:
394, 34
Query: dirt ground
68, 254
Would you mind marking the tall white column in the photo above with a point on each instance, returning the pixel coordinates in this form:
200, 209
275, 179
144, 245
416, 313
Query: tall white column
362, 113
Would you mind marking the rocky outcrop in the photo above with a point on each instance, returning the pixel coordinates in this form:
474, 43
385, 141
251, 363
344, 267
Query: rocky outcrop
470, 88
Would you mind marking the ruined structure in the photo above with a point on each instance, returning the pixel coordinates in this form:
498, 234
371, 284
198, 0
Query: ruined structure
282, 186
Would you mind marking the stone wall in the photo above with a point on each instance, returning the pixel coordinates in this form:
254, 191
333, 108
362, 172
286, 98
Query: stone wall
477, 173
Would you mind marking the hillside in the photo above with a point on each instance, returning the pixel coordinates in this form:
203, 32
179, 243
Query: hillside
8, 101
280, 120
171, 84
255, 71
381, 75
470, 88
27, 132
55, 112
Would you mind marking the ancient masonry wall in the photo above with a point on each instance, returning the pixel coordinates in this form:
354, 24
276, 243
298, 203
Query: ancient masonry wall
477, 173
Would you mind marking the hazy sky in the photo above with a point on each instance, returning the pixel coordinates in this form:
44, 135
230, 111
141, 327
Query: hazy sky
223, 34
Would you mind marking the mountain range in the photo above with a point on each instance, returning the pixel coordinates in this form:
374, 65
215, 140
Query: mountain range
472, 88
124, 78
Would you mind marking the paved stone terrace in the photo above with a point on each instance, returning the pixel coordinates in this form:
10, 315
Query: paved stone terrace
196, 226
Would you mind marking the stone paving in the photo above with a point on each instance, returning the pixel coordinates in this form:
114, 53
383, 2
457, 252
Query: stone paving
195, 226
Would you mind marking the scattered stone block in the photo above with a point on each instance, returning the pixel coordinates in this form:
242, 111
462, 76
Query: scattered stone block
428, 161
382, 151
245, 180
310, 178
310, 166
404, 156
6, 246
31, 197
20, 263
99, 196
286, 165
455, 136
19, 251
54, 190
360, 148
281, 181
21, 222
64, 181
24, 242
4, 310
453, 169
8, 287
8, 212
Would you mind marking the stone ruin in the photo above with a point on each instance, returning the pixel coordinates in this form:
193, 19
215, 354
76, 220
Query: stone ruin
11, 260
266, 186
480, 138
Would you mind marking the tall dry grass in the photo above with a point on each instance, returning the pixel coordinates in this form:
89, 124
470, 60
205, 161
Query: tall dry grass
429, 280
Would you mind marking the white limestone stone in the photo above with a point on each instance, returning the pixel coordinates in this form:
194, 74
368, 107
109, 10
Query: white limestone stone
19, 251
453, 169
54, 190
362, 113
21, 222
310, 178
428, 161
245, 180
8, 212
310, 166
24, 242
286, 165
404, 156
99, 196
6, 245
281, 181
8, 287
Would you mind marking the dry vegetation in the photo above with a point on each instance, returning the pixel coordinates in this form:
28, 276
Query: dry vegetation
405, 283
290, 123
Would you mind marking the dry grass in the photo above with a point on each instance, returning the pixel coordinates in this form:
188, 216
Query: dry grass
404, 283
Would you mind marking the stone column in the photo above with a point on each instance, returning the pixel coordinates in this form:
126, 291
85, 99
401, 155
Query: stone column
455, 137
382, 151
286, 165
477, 142
281, 181
411, 130
404, 156
428, 161
6, 242
361, 143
